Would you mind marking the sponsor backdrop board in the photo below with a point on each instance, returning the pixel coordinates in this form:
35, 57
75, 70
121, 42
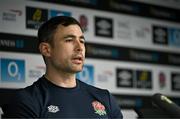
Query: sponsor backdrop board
126, 54
20, 69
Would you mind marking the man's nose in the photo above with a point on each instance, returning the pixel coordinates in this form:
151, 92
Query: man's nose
78, 45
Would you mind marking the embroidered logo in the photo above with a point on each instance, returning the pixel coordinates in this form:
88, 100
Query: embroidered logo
53, 108
99, 108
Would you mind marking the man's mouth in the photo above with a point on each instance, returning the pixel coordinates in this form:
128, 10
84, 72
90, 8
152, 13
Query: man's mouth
77, 60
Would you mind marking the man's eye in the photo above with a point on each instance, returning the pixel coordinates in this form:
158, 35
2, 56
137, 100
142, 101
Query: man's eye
68, 39
82, 41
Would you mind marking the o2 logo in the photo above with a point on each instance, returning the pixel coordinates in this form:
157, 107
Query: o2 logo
12, 70
86, 75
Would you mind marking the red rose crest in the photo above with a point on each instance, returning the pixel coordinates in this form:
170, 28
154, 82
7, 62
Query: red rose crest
99, 108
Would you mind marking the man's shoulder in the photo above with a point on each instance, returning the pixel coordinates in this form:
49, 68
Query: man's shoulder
90, 86
93, 89
30, 91
24, 101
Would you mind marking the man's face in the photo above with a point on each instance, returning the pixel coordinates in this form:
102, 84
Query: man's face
67, 54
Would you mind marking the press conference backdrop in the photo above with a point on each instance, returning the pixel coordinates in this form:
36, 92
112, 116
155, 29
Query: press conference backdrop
128, 52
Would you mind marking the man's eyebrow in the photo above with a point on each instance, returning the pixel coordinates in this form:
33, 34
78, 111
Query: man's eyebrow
82, 37
67, 36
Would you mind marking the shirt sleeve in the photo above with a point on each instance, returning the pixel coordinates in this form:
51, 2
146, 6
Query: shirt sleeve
115, 108
21, 106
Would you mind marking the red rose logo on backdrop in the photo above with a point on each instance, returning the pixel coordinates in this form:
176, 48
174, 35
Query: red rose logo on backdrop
99, 108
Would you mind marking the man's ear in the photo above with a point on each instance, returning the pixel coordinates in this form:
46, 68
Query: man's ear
44, 49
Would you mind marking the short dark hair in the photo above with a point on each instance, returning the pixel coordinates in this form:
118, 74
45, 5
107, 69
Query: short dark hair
48, 28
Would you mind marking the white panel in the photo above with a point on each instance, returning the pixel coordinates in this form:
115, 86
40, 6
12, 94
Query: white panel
129, 114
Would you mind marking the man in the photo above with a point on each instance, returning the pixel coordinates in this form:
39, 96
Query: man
58, 94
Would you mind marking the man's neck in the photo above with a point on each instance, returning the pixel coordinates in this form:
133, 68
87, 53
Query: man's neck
62, 79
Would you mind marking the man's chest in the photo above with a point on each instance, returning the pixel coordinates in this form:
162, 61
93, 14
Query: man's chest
74, 106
